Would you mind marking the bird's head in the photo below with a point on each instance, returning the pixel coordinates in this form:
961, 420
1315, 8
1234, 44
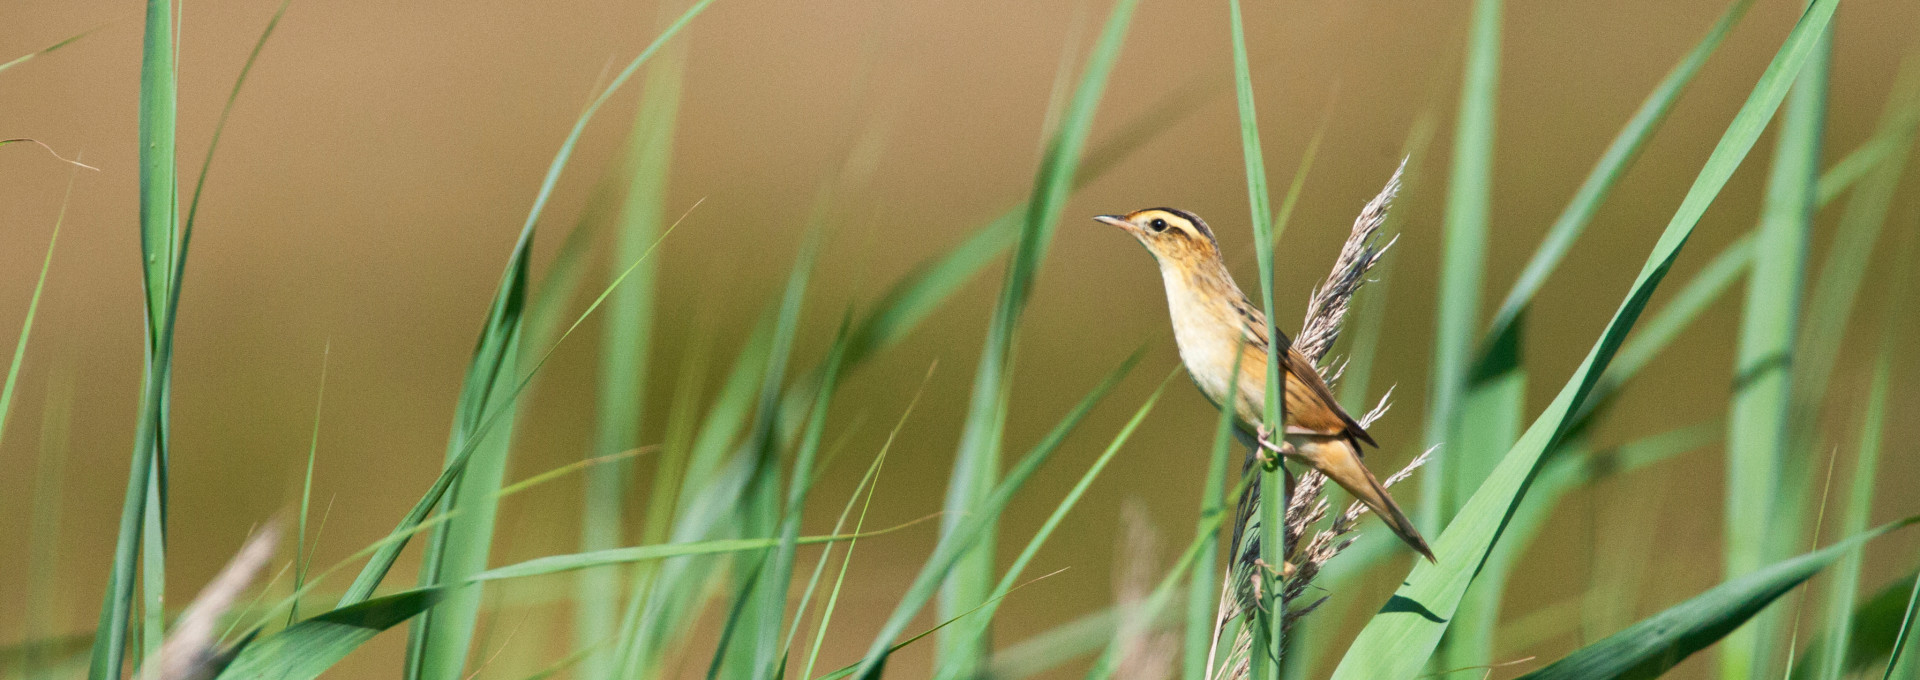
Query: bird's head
1175, 237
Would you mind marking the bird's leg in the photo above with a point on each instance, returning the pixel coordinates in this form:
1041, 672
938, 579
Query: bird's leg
1271, 453
1284, 571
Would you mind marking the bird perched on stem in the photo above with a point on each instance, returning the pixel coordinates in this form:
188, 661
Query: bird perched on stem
1216, 326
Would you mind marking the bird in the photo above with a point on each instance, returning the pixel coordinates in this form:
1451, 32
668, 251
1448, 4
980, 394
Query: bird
1217, 328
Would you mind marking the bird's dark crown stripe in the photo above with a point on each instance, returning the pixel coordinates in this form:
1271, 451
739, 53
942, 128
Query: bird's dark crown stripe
1195, 220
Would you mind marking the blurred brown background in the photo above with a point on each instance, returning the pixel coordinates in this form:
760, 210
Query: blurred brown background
384, 154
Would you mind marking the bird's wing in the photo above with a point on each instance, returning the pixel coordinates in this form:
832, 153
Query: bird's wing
1302, 373
1310, 404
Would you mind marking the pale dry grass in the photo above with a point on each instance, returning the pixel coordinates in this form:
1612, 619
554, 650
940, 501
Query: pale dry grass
192, 650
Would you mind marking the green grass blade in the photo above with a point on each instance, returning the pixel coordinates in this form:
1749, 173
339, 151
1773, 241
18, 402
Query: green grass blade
1491, 412
1614, 162
954, 545
1397, 642
153, 562
33, 306
1575, 467
441, 638
707, 494
626, 340
501, 319
869, 483
1866, 471
826, 553
554, 564
1490, 418
16, 61
1903, 640
1462, 264
1655, 644
1842, 271
669, 474
1876, 632
301, 557
757, 512
305, 650
669, 471
1271, 491
1010, 579
770, 656
1760, 498
159, 223
159, 185
976, 464
743, 596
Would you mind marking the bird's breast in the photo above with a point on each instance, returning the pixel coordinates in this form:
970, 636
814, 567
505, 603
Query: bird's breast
1208, 336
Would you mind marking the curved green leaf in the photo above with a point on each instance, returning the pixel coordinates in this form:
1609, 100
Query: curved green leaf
1398, 641
642, 553
308, 648
1655, 644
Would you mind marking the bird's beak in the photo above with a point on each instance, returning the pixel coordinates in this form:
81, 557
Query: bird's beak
1114, 220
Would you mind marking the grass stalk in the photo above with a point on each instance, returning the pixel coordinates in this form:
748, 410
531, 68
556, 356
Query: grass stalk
1490, 414
626, 339
1462, 264
1845, 581
502, 321
954, 545
1266, 659
1398, 641
976, 463
141, 510
1837, 286
1757, 516
300, 556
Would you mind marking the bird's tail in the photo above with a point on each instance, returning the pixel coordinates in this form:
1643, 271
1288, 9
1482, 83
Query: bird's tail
1339, 459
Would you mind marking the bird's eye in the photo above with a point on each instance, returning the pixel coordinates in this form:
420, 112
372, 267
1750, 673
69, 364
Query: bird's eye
1158, 224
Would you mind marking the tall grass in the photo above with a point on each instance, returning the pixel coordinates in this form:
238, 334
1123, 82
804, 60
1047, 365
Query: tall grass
1761, 498
977, 461
142, 515
1463, 262
1396, 642
626, 341
718, 580
1272, 491
1491, 414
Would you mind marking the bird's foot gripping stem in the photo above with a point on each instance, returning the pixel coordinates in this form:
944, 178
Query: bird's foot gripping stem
1271, 452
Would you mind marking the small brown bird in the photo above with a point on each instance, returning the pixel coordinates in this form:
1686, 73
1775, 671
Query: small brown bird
1212, 320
